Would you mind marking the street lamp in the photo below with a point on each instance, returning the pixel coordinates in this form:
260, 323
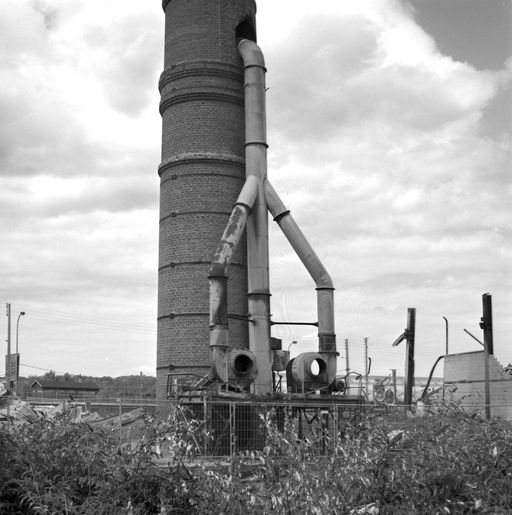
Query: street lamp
446, 335
293, 343
446, 350
22, 313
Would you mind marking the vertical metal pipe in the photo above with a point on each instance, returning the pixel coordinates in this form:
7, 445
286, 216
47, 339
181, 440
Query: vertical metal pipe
487, 390
347, 367
446, 336
218, 278
366, 365
393, 381
446, 352
8, 366
257, 224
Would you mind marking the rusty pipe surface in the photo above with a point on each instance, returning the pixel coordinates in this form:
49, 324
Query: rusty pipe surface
323, 281
257, 224
225, 365
234, 228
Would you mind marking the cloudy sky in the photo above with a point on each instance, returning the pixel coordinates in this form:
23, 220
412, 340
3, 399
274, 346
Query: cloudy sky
389, 125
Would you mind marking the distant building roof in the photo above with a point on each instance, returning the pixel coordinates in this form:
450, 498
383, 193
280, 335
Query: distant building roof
65, 385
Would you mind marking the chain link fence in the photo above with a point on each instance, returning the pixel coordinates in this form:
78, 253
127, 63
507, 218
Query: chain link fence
229, 428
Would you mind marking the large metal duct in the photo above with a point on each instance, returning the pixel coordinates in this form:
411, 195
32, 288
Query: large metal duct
202, 173
309, 371
228, 364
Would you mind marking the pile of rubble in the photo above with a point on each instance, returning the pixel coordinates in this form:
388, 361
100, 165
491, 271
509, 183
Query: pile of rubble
18, 412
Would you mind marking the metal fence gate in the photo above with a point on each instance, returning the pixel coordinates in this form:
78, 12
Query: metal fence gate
233, 427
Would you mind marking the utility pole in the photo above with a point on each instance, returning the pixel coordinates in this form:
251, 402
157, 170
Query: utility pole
140, 387
486, 325
8, 363
393, 380
408, 336
446, 350
17, 355
409, 364
366, 365
347, 367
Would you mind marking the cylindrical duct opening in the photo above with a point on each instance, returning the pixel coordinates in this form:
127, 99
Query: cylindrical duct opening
242, 364
246, 30
242, 367
310, 369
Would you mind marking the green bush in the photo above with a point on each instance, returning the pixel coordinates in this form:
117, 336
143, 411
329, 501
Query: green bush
450, 463
58, 467
447, 463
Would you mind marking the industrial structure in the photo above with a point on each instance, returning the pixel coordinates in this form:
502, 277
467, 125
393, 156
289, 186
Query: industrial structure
214, 322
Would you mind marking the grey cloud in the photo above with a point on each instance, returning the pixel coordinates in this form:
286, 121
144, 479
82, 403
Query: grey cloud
119, 196
316, 68
130, 57
23, 35
39, 134
353, 89
124, 193
497, 117
48, 13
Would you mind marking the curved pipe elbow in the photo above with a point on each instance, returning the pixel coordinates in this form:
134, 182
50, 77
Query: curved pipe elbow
324, 282
297, 239
251, 53
234, 228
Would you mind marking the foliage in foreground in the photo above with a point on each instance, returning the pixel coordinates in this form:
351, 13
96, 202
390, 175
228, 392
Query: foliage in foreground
449, 463
54, 466
452, 463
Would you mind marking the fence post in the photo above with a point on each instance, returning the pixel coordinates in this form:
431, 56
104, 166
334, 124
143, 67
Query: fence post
207, 429
232, 442
335, 430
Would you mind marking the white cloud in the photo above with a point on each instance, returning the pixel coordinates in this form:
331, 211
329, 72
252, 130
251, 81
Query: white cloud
383, 161
393, 158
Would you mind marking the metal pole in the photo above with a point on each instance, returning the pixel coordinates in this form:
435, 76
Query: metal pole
474, 337
303, 374
409, 357
347, 367
393, 381
446, 349
140, 387
8, 359
446, 335
486, 325
231, 430
366, 365
8, 363
487, 391
120, 414
258, 280
22, 313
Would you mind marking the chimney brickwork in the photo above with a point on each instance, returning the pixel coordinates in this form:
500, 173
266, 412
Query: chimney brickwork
202, 172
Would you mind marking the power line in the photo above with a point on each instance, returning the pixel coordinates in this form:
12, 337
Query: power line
68, 318
47, 369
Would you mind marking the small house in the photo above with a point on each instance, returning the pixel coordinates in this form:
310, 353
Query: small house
63, 389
